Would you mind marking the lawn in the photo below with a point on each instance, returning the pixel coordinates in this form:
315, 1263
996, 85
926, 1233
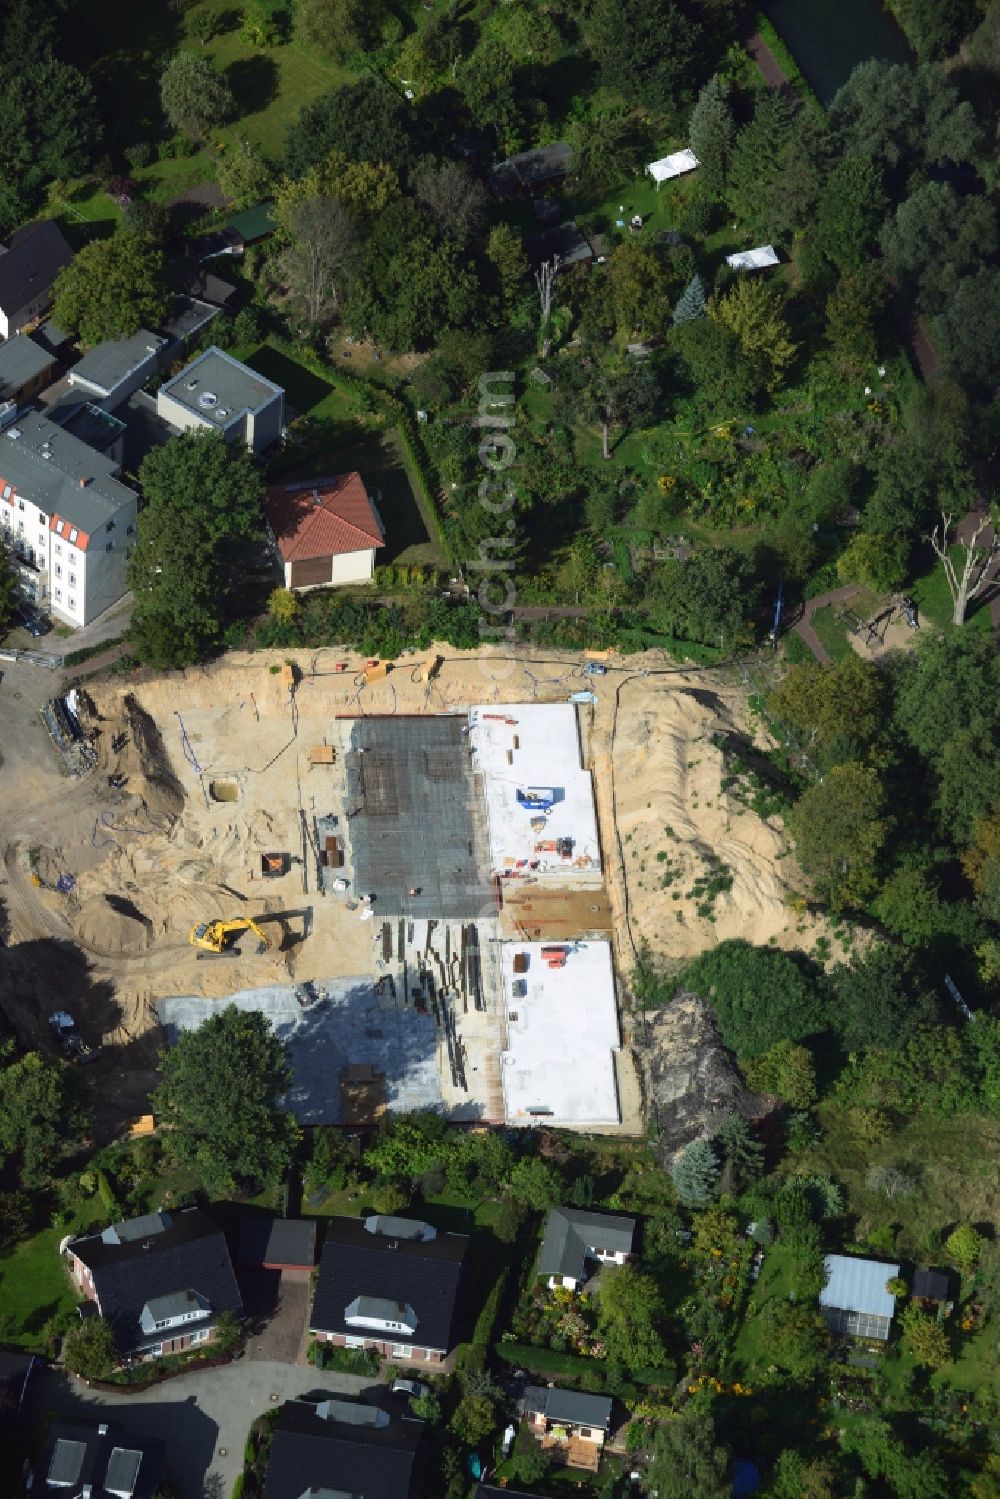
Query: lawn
933, 597
34, 1288
775, 1280
832, 633
342, 436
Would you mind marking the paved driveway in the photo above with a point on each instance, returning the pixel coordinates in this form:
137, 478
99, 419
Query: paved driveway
204, 1417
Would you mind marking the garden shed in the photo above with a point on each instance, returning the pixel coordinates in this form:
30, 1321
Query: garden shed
855, 1300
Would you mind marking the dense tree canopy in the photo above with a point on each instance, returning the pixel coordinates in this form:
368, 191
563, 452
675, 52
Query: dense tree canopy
194, 96
42, 1114
112, 288
760, 996
219, 1096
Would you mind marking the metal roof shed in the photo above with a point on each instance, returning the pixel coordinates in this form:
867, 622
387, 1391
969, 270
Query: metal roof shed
753, 260
855, 1300
672, 166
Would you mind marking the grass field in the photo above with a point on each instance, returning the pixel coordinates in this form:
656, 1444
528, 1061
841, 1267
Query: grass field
34, 1288
343, 436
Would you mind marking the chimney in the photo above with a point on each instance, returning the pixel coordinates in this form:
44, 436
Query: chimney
83, 482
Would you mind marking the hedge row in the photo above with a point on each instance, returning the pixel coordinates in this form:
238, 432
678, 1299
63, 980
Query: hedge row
547, 1361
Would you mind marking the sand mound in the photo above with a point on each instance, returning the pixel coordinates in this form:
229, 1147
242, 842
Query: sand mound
692, 1080
700, 866
111, 924
161, 791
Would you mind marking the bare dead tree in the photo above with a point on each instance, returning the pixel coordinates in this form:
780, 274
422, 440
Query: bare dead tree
545, 280
977, 563
323, 237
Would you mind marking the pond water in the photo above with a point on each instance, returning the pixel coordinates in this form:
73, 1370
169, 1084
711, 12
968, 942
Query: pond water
828, 38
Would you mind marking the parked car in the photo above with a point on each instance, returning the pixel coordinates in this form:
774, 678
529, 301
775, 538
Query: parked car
36, 624
411, 1387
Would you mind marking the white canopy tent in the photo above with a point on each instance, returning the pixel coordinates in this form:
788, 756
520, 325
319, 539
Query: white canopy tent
672, 166
753, 260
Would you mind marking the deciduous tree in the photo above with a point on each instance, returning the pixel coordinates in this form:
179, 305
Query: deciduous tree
194, 96
852, 207
685, 1460
903, 116
42, 1115
759, 994
112, 288
318, 258
629, 1309
925, 1338
452, 196
649, 54
245, 175
89, 1348
786, 1070
219, 1097
881, 999
839, 829
710, 597
753, 312
934, 238
333, 27
964, 1245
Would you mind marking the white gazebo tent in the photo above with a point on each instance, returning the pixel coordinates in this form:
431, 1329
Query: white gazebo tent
753, 260
672, 166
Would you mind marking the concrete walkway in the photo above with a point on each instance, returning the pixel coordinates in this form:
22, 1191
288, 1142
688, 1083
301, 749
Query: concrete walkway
204, 1417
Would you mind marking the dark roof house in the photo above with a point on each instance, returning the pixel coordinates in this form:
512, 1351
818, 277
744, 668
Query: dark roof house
339, 1448
277, 1243
246, 228
97, 1462
28, 268
574, 1235
530, 170
390, 1278
111, 371
158, 1276
566, 244
568, 1407
24, 368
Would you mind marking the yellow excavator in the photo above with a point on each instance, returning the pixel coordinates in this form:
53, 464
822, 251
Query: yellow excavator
218, 936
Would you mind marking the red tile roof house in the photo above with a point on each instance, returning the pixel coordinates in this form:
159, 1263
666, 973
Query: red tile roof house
160, 1281
326, 531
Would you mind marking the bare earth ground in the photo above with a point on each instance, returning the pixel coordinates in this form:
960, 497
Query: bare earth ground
159, 853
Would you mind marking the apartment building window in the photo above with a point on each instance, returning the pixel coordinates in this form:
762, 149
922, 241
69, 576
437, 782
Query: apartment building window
57, 595
74, 533
201, 1335
6, 491
110, 547
20, 504
130, 531
43, 520
71, 603
59, 527
72, 580
57, 549
110, 526
58, 569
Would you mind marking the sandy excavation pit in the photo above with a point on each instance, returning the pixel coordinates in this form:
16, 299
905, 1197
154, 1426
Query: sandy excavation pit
152, 850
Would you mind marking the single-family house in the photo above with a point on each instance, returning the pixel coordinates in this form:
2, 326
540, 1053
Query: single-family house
25, 369
342, 1449
566, 244
326, 531
161, 1280
391, 1285
855, 1300
216, 393
28, 268
65, 516
575, 1238
532, 171
571, 1426
278, 1244
90, 1460
109, 372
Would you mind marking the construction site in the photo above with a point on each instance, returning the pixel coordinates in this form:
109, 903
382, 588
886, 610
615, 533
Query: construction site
434, 877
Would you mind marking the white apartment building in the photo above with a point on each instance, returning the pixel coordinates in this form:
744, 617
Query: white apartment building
65, 516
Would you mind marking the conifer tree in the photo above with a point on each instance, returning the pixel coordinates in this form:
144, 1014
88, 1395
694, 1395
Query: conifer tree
691, 303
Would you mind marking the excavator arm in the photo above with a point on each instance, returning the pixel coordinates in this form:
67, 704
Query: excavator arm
215, 936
